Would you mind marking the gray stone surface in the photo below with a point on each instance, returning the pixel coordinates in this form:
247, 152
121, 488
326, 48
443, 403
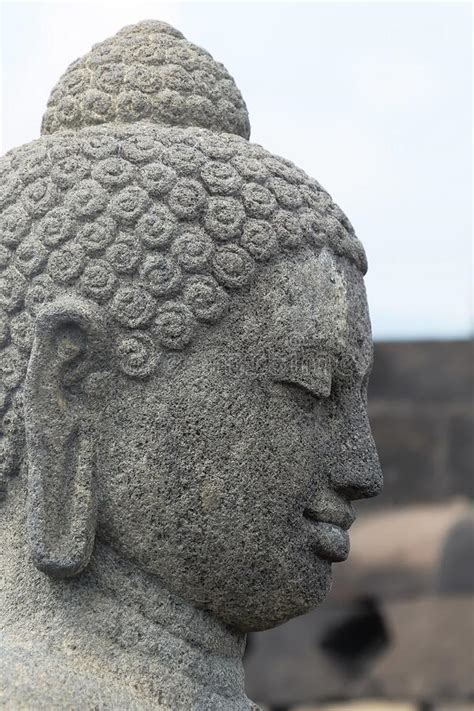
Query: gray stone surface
185, 354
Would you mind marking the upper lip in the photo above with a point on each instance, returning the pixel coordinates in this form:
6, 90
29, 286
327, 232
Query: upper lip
343, 517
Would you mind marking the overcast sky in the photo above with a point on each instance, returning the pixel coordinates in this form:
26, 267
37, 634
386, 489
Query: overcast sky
371, 99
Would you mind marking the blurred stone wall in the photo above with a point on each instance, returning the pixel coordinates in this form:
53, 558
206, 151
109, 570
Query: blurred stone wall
422, 416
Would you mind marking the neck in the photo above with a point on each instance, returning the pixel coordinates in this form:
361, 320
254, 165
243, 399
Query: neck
118, 622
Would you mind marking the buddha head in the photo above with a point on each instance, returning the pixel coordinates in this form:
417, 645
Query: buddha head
185, 340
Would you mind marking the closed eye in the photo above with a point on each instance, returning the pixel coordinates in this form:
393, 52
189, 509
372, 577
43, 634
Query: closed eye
318, 392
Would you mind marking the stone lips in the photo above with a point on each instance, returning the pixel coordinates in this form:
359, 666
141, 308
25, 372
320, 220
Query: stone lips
147, 72
157, 225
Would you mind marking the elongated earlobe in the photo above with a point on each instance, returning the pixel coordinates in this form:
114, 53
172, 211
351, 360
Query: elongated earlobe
61, 431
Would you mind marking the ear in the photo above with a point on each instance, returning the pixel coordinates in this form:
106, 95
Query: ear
61, 422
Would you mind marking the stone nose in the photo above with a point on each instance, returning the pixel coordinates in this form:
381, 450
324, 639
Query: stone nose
355, 471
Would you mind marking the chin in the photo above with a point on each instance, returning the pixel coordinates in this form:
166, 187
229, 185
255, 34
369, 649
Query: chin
265, 608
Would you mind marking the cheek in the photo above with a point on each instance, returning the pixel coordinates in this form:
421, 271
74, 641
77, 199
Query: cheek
209, 459
230, 471
262, 449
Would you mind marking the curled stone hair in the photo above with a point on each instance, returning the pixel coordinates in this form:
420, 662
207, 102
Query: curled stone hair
144, 195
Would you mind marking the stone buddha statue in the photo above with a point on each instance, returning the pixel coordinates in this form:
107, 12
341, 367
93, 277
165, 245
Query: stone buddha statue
185, 348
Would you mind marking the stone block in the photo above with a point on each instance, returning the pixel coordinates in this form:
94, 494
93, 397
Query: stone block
460, 457
408, 447
423, 372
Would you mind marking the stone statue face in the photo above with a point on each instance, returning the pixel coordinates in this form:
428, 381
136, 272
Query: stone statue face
218, 476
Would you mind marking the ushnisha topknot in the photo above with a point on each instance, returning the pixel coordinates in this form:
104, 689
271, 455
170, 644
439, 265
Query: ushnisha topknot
156, 221
147, 72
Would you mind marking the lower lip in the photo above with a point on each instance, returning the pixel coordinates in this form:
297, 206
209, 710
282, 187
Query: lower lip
330, 541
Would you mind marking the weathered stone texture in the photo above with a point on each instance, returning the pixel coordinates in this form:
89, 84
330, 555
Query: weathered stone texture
155, 225
185, 354
147, 72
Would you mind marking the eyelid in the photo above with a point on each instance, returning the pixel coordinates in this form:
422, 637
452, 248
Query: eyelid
319, 390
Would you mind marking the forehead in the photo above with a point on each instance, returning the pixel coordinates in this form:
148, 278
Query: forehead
315, 303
